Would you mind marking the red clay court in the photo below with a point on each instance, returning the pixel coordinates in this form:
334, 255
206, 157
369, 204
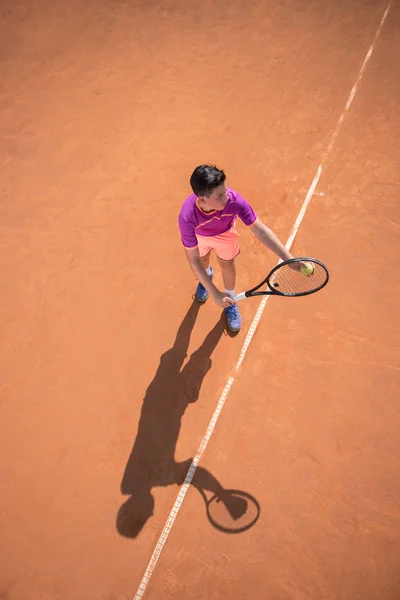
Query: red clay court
110, 373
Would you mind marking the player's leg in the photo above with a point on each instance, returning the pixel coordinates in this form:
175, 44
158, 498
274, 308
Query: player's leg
206, 260
227, 248
228, 271
205, 253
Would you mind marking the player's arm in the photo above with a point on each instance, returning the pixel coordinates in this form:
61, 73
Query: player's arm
269, 239
196, 264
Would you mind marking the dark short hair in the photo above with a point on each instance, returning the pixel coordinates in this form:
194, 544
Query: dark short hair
205, 178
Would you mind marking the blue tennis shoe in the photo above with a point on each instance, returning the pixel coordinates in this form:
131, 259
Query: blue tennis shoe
201, 292
233, 317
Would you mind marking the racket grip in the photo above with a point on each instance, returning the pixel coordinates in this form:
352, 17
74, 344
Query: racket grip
241, 296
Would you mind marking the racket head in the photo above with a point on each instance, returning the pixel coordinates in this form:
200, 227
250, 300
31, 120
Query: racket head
287, 279
234, 511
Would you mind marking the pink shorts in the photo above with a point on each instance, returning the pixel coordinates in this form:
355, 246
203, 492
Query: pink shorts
226, 244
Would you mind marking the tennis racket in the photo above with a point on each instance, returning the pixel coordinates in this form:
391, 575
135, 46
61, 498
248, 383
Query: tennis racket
289, 279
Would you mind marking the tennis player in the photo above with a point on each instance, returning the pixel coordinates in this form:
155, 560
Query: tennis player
207, 221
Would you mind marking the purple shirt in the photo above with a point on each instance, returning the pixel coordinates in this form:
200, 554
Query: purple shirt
194, 221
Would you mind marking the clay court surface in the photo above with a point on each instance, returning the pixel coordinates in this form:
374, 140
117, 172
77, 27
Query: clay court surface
110, 373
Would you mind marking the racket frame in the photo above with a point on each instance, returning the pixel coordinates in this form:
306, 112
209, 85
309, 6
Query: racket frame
273, 291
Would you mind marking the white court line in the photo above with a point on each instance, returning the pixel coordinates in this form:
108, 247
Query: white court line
189, 477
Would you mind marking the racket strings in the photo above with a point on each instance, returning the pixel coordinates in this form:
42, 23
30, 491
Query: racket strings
288, 279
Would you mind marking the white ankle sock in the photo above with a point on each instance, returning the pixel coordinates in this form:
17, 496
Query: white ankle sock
208, 270
231, 293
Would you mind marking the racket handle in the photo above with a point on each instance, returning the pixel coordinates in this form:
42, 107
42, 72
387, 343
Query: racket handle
241, 296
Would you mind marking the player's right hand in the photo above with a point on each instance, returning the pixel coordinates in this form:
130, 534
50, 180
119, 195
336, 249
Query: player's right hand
222, 299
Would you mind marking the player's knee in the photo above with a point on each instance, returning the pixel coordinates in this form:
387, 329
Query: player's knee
227, 264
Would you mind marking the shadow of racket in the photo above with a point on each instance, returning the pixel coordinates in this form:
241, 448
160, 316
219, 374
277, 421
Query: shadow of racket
232, 511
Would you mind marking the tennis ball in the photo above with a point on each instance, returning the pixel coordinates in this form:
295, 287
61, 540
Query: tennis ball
307, 269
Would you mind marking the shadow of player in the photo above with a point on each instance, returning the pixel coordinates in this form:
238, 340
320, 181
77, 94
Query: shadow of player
152, 460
